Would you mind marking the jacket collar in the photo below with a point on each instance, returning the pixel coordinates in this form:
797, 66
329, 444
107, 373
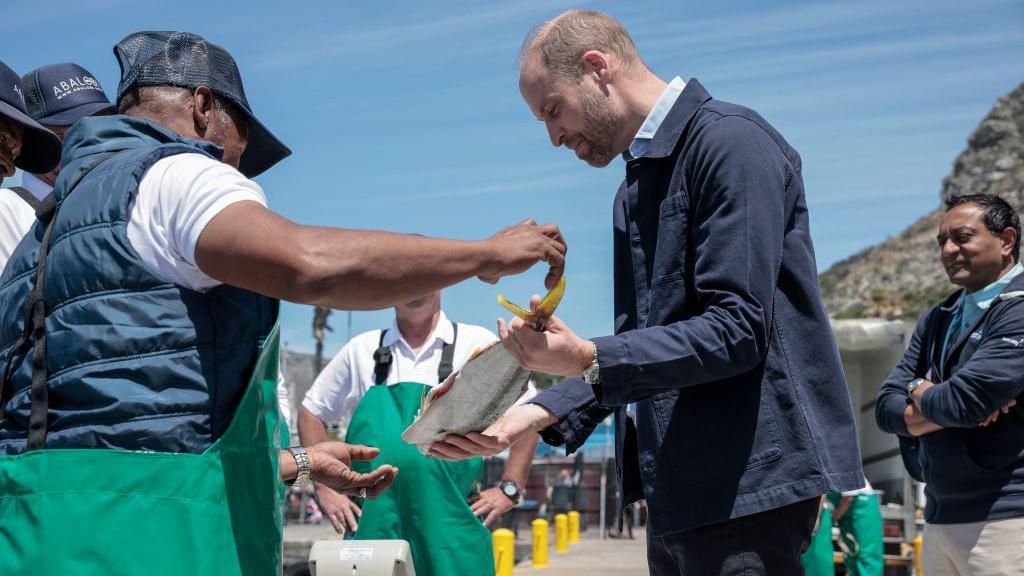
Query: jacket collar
671, 130
100, 134
1014, 289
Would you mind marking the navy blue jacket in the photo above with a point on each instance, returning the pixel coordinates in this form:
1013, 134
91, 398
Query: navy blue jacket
720, 334
134, 362
973, 474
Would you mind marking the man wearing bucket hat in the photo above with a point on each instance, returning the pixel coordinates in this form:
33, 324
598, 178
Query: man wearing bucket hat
24, 144
155, 344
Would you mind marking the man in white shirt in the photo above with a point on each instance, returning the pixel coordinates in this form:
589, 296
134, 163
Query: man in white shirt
25, 144
412, 349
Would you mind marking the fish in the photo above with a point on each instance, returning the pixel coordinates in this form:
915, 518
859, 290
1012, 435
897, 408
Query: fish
488, 384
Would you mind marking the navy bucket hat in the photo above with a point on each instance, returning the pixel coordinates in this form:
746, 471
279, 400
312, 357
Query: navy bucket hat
62, 94
189, 61
40, 148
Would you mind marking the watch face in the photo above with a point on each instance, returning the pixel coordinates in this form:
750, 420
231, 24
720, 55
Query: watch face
509, 489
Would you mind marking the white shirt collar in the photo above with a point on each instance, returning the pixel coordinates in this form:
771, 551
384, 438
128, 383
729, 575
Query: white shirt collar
654, 119
33, 184
443, 331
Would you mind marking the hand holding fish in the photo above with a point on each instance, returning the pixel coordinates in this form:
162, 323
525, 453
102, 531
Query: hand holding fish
478, 396
555, 350
522, 245
514, 425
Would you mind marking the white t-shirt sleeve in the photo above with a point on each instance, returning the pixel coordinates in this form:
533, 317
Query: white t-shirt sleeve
177, 198
334, 392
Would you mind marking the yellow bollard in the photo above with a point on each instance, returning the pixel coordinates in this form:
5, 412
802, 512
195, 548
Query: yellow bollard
574, 527
540, 542
504, 551
561, 533
918, 569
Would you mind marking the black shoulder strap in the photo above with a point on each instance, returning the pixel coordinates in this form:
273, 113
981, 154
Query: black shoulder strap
42, 207
27, 196
382, 361
35, 324
444, 369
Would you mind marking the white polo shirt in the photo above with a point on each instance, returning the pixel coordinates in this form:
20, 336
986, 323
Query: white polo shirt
344, 381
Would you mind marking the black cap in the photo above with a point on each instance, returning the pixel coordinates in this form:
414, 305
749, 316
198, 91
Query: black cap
40, 148
62, 94
189, 61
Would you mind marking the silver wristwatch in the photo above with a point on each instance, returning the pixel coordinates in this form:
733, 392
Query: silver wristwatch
592, 374
302, 463
914, 385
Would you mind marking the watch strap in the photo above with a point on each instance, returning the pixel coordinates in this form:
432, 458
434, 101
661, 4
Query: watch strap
302, 463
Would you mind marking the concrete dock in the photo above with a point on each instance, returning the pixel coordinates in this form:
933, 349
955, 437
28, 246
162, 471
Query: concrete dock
595, 557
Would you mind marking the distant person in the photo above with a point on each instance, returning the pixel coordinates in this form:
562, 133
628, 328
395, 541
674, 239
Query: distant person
560, 493
24, 144
378, 379
952, 398
859, 519
743, 417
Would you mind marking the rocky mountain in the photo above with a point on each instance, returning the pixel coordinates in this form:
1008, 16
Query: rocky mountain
900, 278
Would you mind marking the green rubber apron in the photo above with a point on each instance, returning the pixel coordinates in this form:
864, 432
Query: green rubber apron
818, 560
860, 529
426, 506
111, 512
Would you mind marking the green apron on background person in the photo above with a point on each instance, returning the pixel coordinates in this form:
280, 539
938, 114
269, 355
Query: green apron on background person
818, 560
426, 505
861, 531
109, 512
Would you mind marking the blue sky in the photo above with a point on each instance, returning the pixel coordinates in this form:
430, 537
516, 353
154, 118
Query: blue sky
406, 115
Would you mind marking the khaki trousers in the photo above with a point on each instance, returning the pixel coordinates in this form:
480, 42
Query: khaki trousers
993, 548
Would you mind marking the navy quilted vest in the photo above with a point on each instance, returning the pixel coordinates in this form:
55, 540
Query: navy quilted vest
135, 363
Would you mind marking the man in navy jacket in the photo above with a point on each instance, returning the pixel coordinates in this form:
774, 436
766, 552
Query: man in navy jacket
952, 398
742, 416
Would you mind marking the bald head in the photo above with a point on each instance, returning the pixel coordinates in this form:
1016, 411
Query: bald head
559, 45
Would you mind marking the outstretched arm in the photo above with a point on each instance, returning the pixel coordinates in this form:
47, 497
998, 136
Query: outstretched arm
249, 246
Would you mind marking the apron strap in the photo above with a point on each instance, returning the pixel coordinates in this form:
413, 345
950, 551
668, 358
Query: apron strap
382, 359
34, 311
444, 369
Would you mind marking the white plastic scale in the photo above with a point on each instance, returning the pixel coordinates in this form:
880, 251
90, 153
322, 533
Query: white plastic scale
361, 558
